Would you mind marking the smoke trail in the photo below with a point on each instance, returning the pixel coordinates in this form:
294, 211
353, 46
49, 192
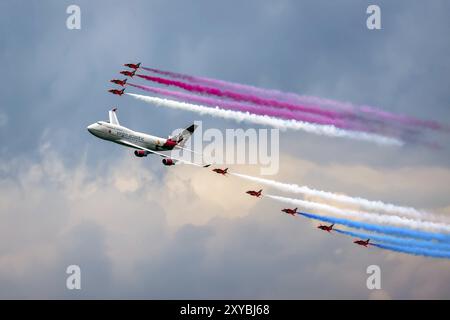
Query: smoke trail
371, 217
178, 75
295, 98
364, 203
281, 124
371, 113
227, 85
390, 230
239, 106
276, 112
434, 125
397, 241
241, 97
414, 251
402, 245
271, 93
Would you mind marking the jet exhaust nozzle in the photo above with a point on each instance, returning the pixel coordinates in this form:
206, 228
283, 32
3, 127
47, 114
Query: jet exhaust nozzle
168, 162
141, 153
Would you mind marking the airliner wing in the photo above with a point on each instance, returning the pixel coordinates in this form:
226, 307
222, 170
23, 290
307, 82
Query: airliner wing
186, 149
132, 145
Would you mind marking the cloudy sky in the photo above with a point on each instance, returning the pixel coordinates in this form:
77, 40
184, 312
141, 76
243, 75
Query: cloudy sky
140, 230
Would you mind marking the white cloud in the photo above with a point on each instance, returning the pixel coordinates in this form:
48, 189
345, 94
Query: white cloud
189, 233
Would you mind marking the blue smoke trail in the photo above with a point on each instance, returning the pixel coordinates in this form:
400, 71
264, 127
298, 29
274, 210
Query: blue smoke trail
395, 231
414, 251
398, 241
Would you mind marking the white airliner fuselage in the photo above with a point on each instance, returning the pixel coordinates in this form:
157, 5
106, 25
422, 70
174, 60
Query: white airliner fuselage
119, 134
144, 143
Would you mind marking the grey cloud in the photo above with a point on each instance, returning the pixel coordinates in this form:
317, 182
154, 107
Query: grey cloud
86, 200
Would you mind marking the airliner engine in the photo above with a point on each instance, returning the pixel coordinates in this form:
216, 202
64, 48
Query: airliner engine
141, 153
168, 162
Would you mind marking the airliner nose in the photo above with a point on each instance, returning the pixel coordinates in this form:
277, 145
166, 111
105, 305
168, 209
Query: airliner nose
90, 128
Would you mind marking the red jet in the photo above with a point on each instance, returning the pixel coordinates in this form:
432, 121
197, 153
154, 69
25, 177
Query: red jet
119, 82
292, 212
255, 193
118, 92
326, 228
221, 171
362, 242
133, 66
128, 73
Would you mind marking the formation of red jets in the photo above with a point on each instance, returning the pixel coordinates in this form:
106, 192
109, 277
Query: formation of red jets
224, 172
128, 73
292, 212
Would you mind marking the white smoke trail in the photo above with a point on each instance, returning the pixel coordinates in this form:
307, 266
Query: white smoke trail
370, 217
324, 130
364, 203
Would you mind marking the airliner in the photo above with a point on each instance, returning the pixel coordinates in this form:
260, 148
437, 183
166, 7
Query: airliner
144, 144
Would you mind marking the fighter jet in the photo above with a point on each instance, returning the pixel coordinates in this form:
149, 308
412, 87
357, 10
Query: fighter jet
144, 144
362, 242
326, 228
133, 66
119, 82
292, 212
128, 73
254, 193
221, 171
116, 91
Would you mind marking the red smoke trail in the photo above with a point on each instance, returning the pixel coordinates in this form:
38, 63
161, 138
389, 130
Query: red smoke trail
241, 97
179, 75
275, 112
366, 112
404, 119
272, 112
